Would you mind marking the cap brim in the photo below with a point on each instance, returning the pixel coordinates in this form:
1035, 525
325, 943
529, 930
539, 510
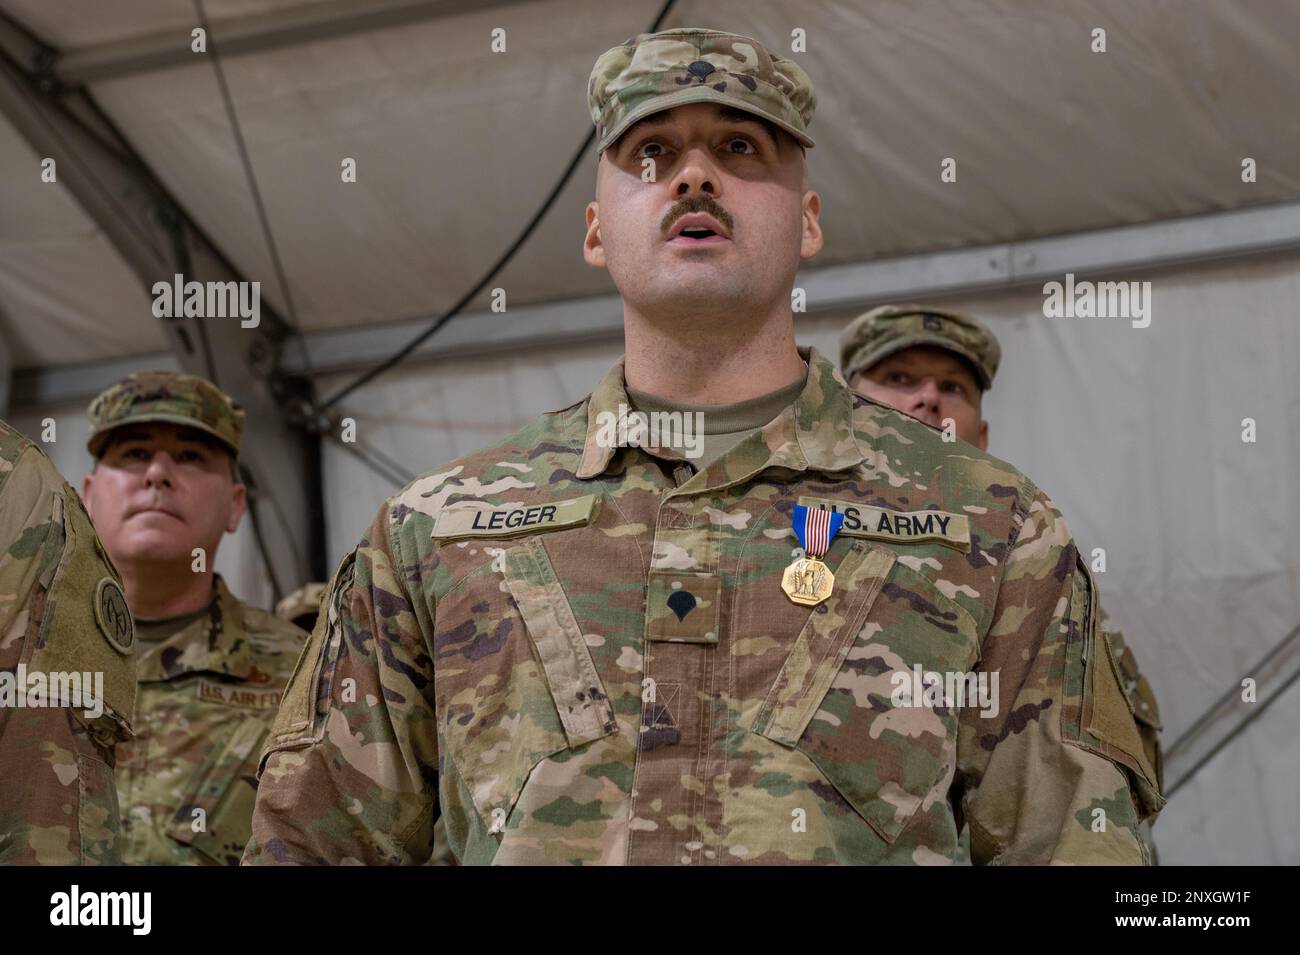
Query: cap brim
696, 94
95, 444
937, 341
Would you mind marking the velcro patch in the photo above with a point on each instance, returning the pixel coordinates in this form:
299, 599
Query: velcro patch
113, 616
477, 520
907, 527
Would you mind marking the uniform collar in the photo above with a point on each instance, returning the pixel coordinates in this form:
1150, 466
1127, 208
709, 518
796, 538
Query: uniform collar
215, 643
815, 432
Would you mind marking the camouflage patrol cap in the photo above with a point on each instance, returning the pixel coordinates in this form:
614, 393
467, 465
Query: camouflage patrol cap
170, 397
653, 72
303, 602
887, 329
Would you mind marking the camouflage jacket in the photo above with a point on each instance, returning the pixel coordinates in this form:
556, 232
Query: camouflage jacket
67, 678
578, 653
207, 698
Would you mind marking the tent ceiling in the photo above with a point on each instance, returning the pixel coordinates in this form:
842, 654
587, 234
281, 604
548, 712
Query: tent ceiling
65, 294
76, 24
455, 145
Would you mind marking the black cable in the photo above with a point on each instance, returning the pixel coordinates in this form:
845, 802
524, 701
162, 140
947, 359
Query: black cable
389, 462
271, 245
1230, 694
404, 352
393, 473
277, 265
1256, 714
276, 590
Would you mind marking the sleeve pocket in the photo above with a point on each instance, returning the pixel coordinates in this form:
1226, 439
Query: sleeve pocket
1101, 718
301, 717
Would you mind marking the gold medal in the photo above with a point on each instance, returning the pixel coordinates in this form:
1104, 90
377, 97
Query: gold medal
808, 581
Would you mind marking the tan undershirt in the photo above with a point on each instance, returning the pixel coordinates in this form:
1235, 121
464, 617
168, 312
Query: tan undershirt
724, 426
156, 631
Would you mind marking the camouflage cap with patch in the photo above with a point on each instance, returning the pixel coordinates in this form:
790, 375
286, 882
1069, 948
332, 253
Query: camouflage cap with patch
887, 329
653, 72
302, 602
166, 396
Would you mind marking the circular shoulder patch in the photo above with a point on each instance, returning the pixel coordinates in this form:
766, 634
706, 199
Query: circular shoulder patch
114, 616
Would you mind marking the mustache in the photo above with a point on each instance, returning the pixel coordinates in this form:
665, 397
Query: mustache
154, 502
688, 204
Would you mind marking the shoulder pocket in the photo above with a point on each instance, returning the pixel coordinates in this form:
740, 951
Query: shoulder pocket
1097, 714
74, 637
1141, 698
515, 681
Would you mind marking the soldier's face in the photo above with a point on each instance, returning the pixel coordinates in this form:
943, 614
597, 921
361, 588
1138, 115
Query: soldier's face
930, 384
702, 210
161, 490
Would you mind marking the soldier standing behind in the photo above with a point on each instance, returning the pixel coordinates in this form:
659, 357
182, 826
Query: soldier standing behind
935, 365
62, 615
211, 669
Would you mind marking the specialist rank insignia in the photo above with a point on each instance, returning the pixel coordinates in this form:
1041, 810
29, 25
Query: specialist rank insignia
808, 581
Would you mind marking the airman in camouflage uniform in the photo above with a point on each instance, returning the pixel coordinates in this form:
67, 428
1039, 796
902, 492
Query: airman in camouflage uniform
62, 613
211, 668
575, 647
903, 331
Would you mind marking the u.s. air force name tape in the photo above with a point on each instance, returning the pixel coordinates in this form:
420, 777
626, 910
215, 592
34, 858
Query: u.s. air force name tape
232, 695
879, 523
489, 521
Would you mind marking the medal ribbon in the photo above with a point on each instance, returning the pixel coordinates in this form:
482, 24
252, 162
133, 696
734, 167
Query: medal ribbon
816, 528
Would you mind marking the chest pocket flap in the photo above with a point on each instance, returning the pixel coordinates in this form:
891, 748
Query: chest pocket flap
823, 643
576, 689
513, 687
833, 699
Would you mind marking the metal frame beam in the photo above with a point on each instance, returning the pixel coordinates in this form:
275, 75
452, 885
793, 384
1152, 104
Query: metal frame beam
157, 240
301, 24
6, 370
1229, 715
1111, 252
858, 285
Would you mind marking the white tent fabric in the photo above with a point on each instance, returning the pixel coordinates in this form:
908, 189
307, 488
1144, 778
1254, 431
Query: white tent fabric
455, 144
49, 312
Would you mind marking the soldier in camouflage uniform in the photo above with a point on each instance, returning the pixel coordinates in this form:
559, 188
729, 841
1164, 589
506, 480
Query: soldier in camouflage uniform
62, 613
302, 607
576, 646
934, 364
211, 668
